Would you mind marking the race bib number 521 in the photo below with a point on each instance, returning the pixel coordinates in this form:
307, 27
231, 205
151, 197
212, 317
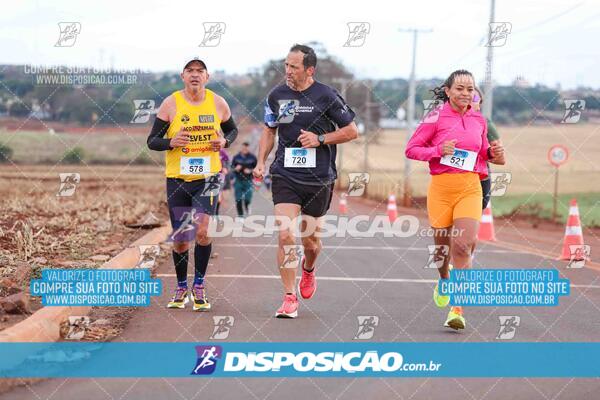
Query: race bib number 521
296, 157
194, 165
461, 159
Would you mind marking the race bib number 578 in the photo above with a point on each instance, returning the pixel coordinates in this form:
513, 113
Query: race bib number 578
194, 165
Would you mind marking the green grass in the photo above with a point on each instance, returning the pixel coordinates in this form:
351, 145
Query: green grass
540, 205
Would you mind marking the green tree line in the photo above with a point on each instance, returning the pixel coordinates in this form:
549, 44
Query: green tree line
109, 104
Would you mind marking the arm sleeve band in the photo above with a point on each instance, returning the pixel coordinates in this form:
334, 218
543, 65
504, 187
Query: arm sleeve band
230, 130
156, 140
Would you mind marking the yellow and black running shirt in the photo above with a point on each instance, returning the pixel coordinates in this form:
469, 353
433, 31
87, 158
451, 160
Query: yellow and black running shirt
196, 160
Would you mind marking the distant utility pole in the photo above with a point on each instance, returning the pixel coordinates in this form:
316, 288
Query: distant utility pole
489, 85
410, 114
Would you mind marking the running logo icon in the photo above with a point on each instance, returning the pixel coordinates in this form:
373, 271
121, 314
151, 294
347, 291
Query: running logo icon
287, 111
579, 254
431, 111
212, 186
186, 224
437, 255
292, 255
148, 255
357, 33
357, 183
77, 327
223, 325
68, 34
143, 110
366, 326
499, 183
212, 33
207, 359
573, 109
68, 184
499, 32
508, 326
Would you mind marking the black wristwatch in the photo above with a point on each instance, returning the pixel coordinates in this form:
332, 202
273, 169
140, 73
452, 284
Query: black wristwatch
227, 143
321, 138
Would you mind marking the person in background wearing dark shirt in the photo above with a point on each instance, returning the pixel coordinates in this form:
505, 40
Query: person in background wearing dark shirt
242, 164
310, 118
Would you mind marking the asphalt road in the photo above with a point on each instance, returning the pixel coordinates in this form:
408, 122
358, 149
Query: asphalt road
381, 277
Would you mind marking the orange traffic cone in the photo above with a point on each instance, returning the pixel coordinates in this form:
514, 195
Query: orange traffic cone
486, 227
343, 206
392, 210
573, 233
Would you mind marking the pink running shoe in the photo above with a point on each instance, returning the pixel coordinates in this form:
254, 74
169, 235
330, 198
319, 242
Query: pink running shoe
289, 308
308, 283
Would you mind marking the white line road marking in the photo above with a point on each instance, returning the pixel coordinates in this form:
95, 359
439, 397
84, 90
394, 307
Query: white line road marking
324, 278
423, 249
342, 279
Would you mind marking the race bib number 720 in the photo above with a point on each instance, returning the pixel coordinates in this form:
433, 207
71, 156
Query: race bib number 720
194, 165
461, 159
296, 157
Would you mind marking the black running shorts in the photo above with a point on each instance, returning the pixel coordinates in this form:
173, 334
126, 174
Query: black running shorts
314, 200
200, 195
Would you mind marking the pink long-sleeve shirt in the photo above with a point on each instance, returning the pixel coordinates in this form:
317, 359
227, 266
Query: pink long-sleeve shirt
445, 123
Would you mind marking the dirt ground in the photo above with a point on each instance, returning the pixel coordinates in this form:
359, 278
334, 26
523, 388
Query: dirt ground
39, 229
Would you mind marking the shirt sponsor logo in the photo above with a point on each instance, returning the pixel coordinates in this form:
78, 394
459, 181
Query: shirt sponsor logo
200, 138
196, 161
299, 152
206, 118
288, 110
203, 149
198, 128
